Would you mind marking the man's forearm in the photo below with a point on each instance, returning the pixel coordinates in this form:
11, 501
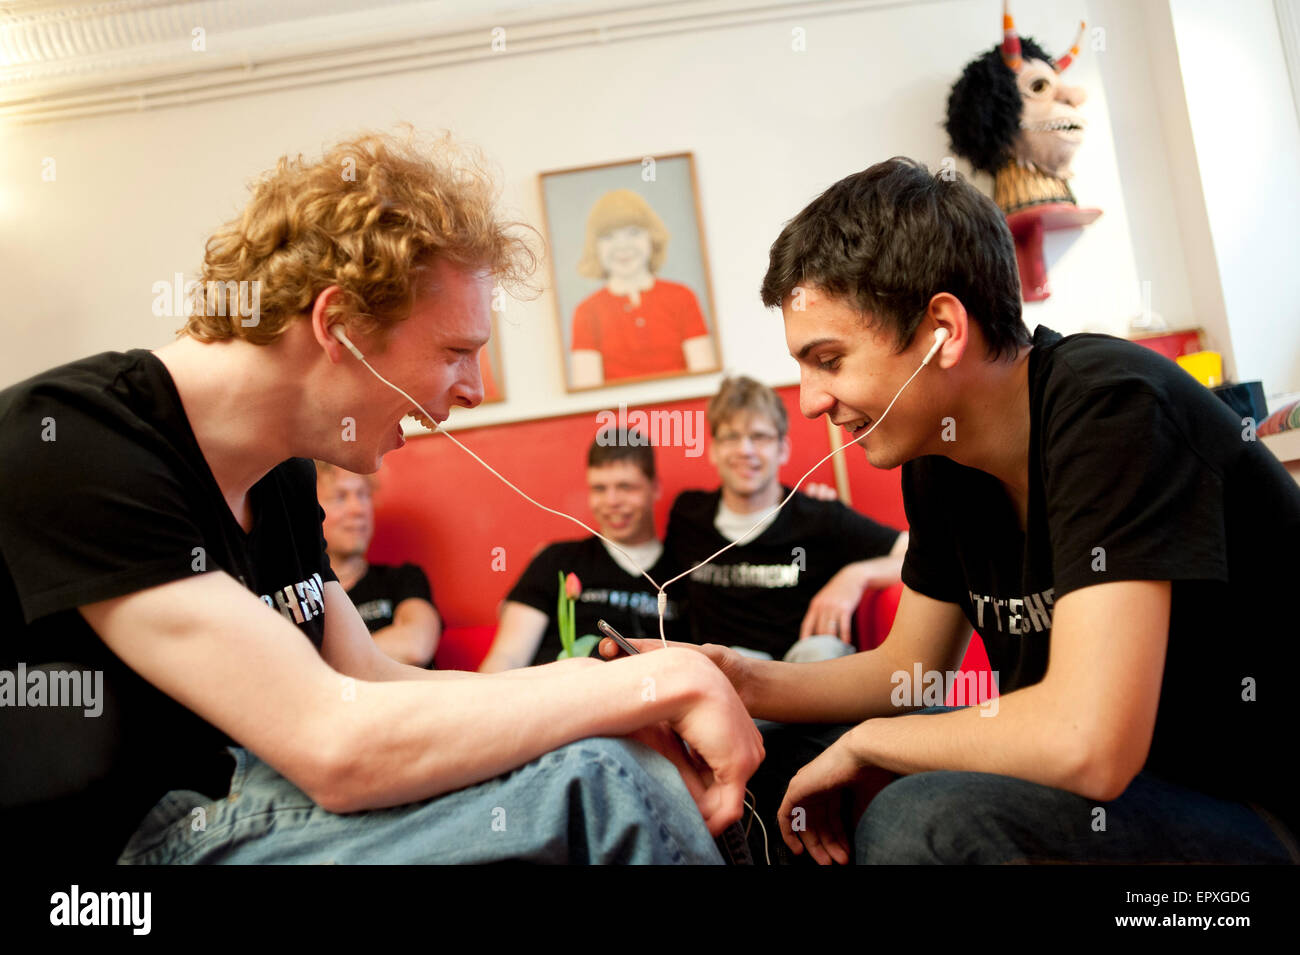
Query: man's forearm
405, 644
505, 656
844, 690
1021, 734
379, 667
385, 669
877, 571
518, 636
406, 741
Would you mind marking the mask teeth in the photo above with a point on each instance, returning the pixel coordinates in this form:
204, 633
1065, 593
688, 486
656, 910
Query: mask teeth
1051, 125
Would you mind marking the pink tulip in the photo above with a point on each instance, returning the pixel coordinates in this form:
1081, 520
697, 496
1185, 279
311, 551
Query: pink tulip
572, 587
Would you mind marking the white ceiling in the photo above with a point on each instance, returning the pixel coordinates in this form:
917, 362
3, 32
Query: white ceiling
97, 57
59, 60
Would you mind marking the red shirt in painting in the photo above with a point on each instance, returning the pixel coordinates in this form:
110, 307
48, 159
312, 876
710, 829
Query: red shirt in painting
635, 340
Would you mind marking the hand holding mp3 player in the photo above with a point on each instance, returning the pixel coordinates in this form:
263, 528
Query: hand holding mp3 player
732, 841
617, 637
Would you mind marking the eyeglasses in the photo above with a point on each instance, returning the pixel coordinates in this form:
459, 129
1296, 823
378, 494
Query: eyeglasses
759, 439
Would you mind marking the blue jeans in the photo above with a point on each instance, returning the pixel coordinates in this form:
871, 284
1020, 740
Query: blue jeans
946, 817
981, 818
594, 801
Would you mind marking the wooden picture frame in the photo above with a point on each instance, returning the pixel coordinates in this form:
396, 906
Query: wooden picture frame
630, 272
489, 364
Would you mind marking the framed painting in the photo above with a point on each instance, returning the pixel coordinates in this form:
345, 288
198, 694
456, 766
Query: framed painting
630, 272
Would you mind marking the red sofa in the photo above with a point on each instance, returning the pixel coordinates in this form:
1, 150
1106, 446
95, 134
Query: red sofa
463, 648
437, 507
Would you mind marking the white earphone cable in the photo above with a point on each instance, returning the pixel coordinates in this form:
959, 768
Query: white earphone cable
759, 523
660, 588
429, 420
662, 596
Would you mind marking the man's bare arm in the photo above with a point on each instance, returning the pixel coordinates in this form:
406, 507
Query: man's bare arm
412, 637
518, 636
854, 688
350, 649
1086, 727
354, 744
900, 545
831, 608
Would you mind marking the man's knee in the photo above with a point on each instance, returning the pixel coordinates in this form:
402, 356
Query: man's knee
628, 791
621, 761
640, 776
943, 818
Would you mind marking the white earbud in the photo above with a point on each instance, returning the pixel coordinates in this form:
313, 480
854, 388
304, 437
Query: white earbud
940, 336
338, 332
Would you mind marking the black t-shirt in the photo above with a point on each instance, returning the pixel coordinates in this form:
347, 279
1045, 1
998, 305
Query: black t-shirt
377, 594
627, 602
104, 493
1136, 472
756, 594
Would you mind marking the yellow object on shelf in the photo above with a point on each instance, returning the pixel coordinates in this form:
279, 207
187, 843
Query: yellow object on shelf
1205, 366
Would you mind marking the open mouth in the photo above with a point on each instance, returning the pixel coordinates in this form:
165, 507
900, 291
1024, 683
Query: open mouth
1053, 126
424, 420
854, 428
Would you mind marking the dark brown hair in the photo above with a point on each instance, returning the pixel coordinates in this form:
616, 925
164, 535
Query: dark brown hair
890, 238
616, 444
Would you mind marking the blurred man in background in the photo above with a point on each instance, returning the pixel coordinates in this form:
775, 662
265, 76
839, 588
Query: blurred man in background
621, 491
800, 573
395, 602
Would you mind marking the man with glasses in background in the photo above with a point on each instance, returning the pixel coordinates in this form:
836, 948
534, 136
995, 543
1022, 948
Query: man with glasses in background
791, 589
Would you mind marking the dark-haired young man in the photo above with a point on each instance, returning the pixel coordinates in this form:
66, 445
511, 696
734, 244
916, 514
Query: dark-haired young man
1086, 506
621, 491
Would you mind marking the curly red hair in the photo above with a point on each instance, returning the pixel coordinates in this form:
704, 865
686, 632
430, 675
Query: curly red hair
363, 217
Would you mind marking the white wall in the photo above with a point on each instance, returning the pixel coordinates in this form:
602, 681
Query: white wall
1247, 143
136, 195
1132, 65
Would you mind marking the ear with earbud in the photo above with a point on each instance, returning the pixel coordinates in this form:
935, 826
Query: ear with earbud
338, 332
940, 336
